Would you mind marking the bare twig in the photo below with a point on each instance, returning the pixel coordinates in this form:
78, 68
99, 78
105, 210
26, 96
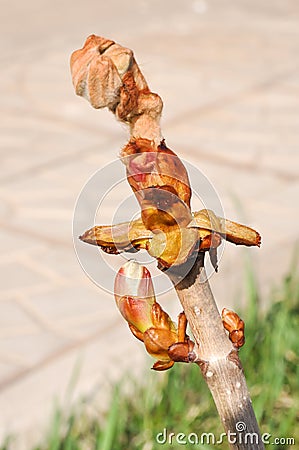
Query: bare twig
108, 76
218, 359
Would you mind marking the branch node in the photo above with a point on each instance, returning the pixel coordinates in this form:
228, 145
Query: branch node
233, 356
204, 366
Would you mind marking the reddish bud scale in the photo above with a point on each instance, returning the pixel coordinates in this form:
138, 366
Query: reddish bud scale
135, 298
160, 183
160, 165
235, 326
134, 280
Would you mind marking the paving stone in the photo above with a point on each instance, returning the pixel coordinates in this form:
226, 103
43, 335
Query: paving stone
45, 142
14, 244
7, 369
252, 132
63, 262
16, 277
14, 321
227, 72
33, 348
85, 366
73, 306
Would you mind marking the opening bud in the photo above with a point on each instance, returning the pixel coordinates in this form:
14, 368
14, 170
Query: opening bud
134, 294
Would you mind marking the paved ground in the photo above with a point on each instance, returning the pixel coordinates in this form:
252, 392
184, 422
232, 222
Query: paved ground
228, 74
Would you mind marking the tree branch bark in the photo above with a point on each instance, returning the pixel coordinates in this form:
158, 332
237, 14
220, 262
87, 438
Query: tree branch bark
217, 358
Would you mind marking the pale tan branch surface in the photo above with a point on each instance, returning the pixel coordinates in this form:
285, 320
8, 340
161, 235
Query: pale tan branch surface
217, 358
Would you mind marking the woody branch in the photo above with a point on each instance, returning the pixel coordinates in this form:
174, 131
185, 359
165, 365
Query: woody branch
107, 75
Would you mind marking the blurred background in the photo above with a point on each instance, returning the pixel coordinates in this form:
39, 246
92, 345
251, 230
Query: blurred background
227, 71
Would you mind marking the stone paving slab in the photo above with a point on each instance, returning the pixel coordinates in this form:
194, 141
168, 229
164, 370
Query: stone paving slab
227, 71
256, 133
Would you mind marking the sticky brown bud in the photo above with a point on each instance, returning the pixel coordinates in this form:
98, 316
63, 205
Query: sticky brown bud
235, 326
159, 180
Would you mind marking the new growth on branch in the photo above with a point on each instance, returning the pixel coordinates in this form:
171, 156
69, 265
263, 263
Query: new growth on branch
107, 75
